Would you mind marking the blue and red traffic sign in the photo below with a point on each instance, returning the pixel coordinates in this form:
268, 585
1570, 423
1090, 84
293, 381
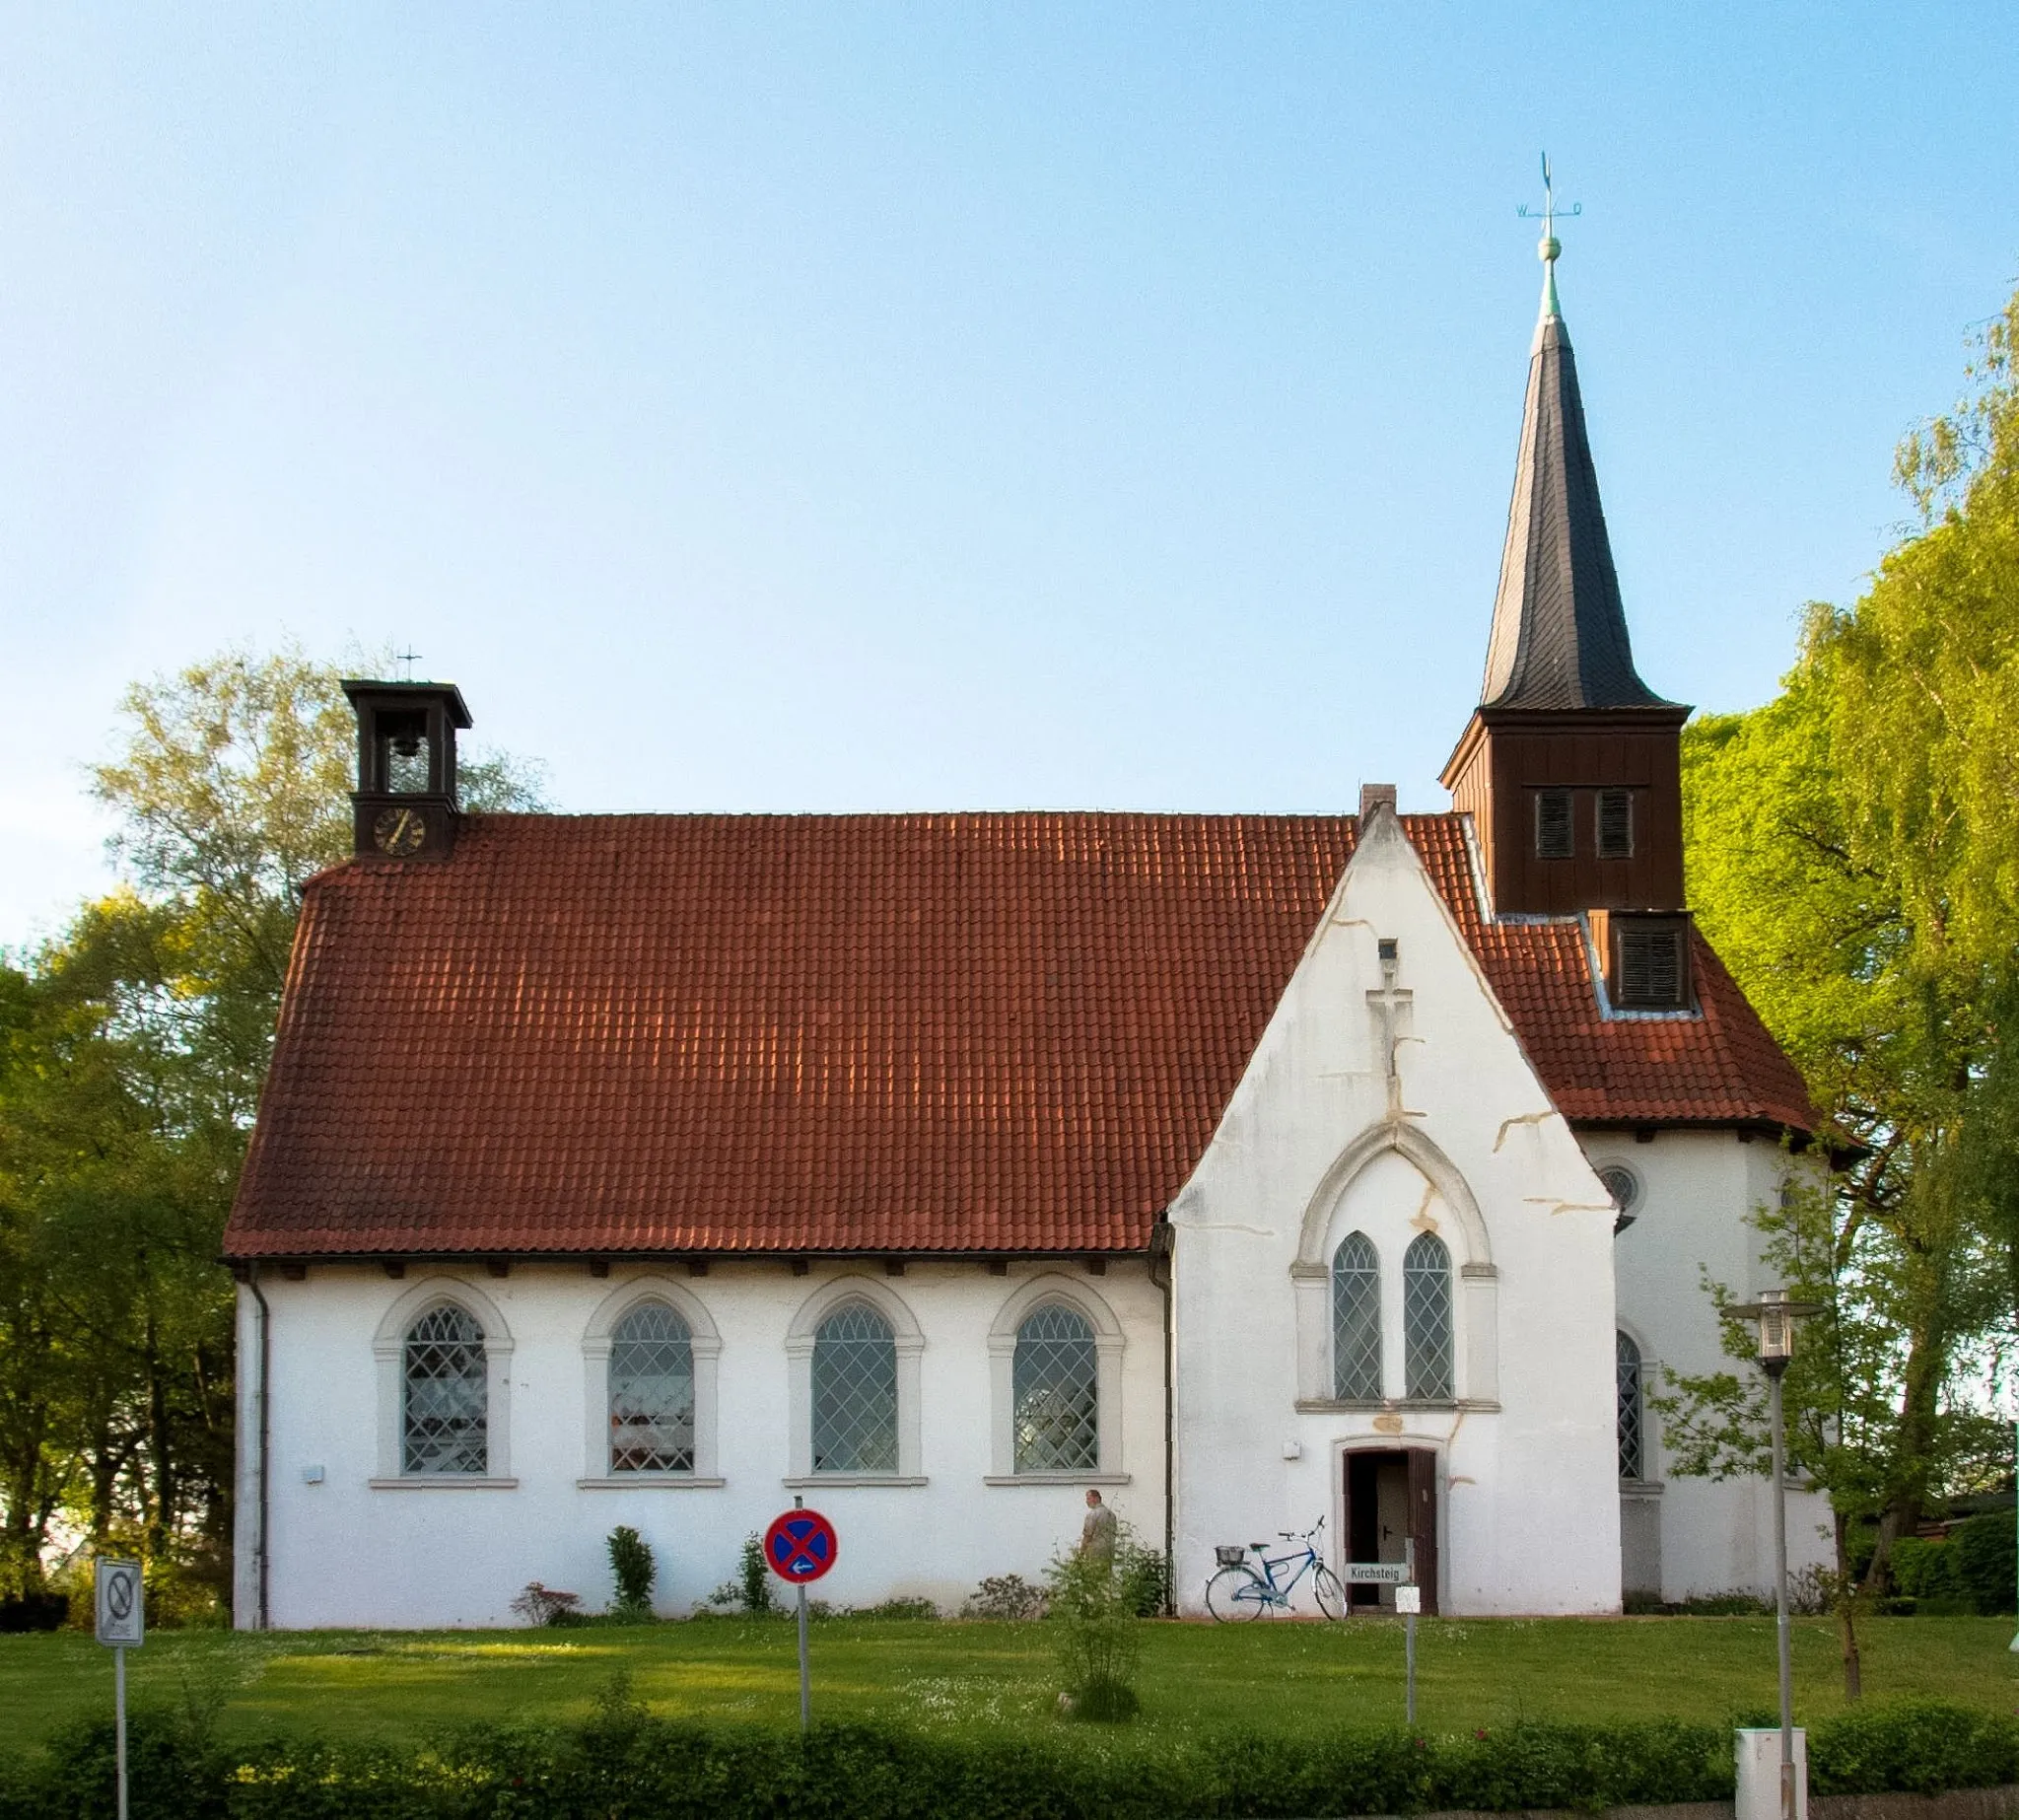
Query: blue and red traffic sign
800, 1546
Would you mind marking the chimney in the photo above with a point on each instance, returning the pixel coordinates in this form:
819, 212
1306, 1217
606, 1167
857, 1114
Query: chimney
1376, 797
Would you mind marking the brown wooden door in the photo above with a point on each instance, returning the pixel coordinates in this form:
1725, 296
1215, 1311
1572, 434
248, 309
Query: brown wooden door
1423, 1522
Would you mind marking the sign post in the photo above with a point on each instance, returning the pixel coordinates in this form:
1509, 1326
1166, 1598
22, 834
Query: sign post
799, 1548
121, 1626
1408, 1601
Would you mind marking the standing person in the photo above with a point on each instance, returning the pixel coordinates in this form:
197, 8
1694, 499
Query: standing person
1098, 1533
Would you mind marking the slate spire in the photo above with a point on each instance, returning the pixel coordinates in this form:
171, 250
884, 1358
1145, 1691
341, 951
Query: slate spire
1559, 633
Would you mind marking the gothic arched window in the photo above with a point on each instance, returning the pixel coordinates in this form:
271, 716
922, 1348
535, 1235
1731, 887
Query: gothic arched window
855, 1392
443, 1404
652, 1392
1356, 1320
1057, 1375
1427, 1349
1632, 1415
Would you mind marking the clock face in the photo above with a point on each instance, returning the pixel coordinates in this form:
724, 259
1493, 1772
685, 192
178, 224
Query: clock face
398, 831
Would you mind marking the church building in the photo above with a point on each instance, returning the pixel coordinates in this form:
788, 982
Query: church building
937, 1169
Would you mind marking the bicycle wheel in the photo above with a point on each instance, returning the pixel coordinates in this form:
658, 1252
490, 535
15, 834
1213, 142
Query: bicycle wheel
1331, 1595
1235, 1594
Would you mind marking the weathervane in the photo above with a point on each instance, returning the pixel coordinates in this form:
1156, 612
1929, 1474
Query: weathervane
409, 658
1549, 246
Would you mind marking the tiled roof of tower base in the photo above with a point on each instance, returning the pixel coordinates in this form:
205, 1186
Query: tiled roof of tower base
869, 1033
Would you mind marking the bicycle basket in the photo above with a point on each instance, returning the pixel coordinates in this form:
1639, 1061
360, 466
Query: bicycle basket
1230, 1554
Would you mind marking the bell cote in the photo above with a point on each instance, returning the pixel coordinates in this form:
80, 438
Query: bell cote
1570, 766
404, 805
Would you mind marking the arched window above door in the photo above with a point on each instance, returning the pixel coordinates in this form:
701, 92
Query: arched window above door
1357, 1320
1429, 1356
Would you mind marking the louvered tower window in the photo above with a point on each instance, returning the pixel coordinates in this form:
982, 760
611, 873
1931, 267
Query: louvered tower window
652, 1392
1633, 1417
1615, 824
1056, 1387
1356, 1320
1650, 965
444, 1394
1556, 830
855, 1392
1427, 1346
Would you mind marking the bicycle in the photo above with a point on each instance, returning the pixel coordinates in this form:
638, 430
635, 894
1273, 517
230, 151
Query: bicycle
1238, 1591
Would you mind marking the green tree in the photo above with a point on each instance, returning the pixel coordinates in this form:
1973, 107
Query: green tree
1853, 852
131, 1054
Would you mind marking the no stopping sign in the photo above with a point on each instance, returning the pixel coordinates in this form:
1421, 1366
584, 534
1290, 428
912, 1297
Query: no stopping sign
800, 1546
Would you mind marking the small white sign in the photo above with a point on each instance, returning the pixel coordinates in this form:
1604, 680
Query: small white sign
122, 1619
1374, 1573
1409, 1599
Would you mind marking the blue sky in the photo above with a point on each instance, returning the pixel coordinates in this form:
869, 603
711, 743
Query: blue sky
856, 406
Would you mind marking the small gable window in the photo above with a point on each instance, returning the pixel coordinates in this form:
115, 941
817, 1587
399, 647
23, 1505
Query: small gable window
1356, 1320
1615, 824
443, 1400
855, 1392
652, 1392
1556, 835
1428, 1354
1057, 1378
1632, 1415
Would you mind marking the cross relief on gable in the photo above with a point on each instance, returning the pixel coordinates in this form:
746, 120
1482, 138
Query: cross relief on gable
1393, 1009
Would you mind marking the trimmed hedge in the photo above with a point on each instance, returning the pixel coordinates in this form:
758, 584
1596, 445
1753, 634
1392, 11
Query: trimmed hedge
623, 1766
1973, 1571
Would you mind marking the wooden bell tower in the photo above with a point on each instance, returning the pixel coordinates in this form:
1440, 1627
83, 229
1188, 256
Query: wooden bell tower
1570, 766
404, 805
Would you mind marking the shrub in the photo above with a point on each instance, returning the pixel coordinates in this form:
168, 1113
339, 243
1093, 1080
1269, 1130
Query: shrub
754, 1574
539, 1604
1913, 1747
35, 1611
1986, 1547
907, 1610
1095, 1636
750, 1591
1143, 1574
634, 1569
623, 1762
1924, 1569
1005, 1595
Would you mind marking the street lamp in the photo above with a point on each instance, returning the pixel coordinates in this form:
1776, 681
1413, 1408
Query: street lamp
1776, 1317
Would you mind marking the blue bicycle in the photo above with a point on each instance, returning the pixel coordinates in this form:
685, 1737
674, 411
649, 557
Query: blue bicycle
1241, 1590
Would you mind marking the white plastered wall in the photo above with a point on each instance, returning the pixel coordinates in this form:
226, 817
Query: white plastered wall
1314, 1145
1696, 1192
348, 1552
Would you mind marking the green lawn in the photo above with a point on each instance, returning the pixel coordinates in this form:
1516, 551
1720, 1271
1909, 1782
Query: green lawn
999, 1676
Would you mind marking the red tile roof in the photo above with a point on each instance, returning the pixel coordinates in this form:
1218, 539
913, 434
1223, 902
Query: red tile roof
884, 1034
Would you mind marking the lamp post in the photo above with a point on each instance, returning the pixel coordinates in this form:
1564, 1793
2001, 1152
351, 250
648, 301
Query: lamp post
1776, 1317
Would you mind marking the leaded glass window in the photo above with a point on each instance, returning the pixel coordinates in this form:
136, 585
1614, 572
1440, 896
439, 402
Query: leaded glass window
1058, 1395
1356, 1320
652, 1392
855, 1392
1633, 1415
1426, 1350
444, 1394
